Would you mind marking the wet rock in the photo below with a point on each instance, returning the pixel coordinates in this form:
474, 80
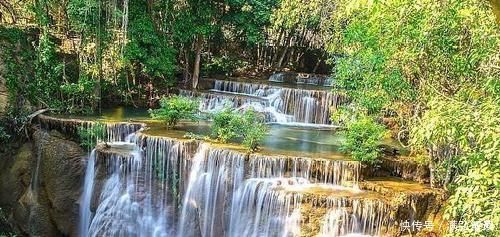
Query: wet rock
403, 167
49, 205
61, 173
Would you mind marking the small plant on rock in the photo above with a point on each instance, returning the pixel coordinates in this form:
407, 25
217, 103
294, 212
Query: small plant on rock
175, 108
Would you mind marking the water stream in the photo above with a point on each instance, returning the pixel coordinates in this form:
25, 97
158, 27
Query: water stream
145, 185
282, 105
156, 186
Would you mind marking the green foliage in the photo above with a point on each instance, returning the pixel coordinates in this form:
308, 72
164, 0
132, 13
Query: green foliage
434, 65
17, 55
12, 127
34, 73
248, 126
248, 19
79, 96
254, 130
48, 74
89, 136
363, 137
224, 65
175, 108
4, 136
462, 135
226, 125
147, 50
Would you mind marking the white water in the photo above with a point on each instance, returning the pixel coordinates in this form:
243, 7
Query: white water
215, 175
136, 185
309, 79
88, 188
130, 204
286, 106
259, 209
353, 217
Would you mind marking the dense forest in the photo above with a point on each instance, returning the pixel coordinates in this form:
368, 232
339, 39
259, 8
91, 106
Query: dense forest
424, 73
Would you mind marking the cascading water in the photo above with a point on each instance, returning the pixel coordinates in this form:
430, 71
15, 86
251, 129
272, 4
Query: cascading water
277, 77
301, 78
280, 104
322, 171
353, 217
154, 186
33, 190
215, 175
114, 132
260, 209
132, 201
88, 187
309, 106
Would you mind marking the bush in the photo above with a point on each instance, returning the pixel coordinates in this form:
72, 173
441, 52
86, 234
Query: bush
4, 137
89, 136
222, 66
362, 139
249, 127
173, 109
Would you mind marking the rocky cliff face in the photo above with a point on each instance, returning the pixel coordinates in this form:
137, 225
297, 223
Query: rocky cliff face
41, 185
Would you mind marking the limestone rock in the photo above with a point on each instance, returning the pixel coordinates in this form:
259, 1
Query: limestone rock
48, 206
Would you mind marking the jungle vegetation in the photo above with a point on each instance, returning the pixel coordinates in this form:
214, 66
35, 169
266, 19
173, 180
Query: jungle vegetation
427, 71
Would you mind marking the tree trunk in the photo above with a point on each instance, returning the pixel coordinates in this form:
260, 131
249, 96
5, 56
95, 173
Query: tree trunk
285, 50
318, 63
276, 47
280, 62
197, 60
9, 9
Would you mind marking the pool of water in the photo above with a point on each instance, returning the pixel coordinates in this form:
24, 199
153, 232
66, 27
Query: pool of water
280, 139
318, 142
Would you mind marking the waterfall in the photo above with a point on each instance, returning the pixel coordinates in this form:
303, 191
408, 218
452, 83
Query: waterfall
244, 88
155, 186
85, 201
302, 78
353, 217
322, 171
215, 175
309, 106
277, 77
34, 186
35, 178
115, 132
132, 201
260, 209
281, 105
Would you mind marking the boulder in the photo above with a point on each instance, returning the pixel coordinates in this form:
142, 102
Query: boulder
41, 186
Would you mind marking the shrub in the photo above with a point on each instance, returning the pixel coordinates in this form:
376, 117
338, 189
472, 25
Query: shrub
362, 139
173, 109
224, 65
4, 136
248, 126
89, 136
226, 125
254, 130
